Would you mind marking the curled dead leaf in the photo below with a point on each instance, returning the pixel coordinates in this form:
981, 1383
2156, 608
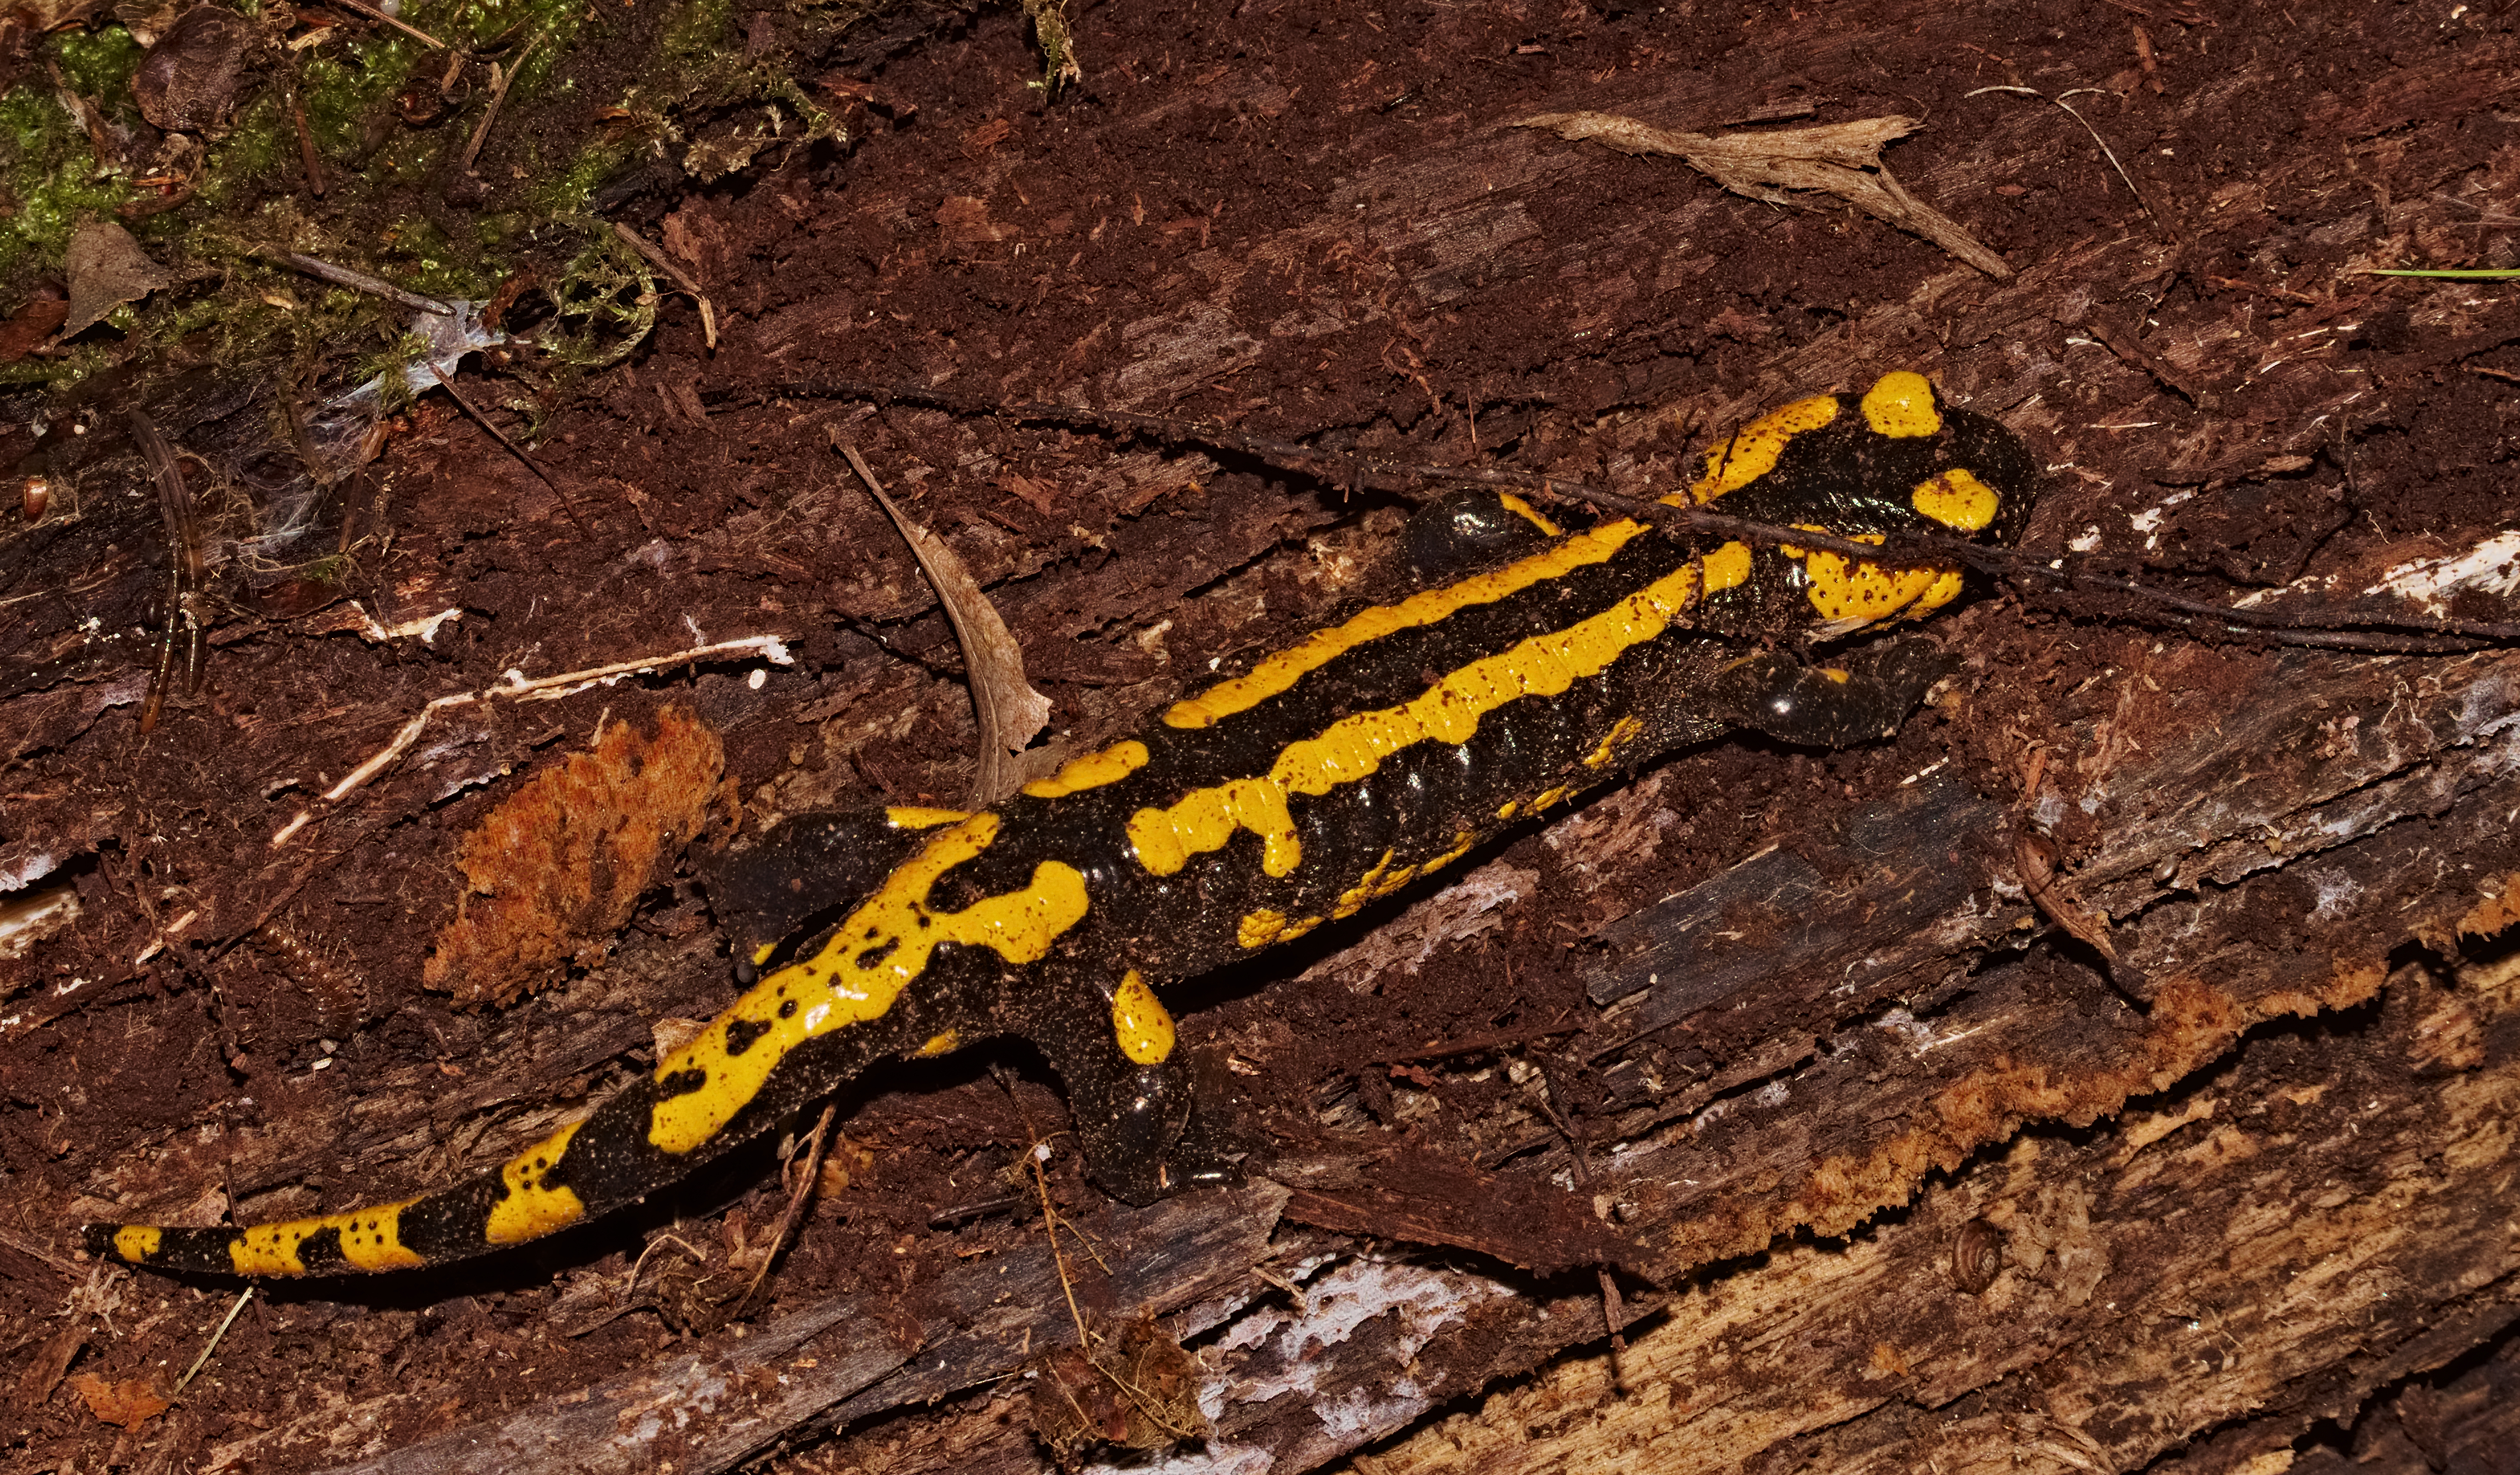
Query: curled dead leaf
1010, 710
186, 82
33, 323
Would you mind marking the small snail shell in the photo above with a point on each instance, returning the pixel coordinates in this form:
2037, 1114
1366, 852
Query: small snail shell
1977, 1255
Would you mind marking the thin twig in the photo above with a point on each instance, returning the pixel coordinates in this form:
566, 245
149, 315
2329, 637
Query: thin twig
413, 31
1057, 1258
513, 449
795, 1200
657, 259
2110, 153
213, 1344
306, 143
356, 281
507, 78
184, 566
770, 648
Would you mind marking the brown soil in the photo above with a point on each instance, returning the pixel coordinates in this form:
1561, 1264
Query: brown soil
1301, 219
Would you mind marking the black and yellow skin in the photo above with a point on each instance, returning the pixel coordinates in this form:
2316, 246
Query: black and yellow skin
1378, 749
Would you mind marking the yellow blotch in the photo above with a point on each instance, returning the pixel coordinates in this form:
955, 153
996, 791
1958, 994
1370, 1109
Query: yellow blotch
136, 1243
1902, 404
371, 1239
1549, 796
1260, 928
1833, 674
1864, 592
1727, 566
271, 1249
1092, 770
1620, 731
871, 957
1753, 452
1205, 818
1957, 500
1509, 809
1527, 513
1139, 1022
914, 817
533, 1207
1283, 669
941, 1045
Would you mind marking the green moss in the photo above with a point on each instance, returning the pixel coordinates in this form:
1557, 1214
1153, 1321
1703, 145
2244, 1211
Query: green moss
98, 65
50, 175
262, 142
341, 90
567, 191
683, 81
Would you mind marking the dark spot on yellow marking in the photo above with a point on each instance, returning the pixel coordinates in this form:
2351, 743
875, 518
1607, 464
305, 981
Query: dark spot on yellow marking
741, 1033
873, 956
788, 1009
683, 1082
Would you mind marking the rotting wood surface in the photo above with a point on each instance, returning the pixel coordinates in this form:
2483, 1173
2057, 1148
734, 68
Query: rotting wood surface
1429, 278
2104, 1236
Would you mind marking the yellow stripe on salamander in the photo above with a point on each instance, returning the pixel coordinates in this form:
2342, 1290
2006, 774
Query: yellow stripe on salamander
1319, 648
1528, 513
883, 944
1449, 711
1092, 770
1753, 452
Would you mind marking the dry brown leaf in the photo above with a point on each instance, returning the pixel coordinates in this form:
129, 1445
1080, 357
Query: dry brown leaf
106, 268
127, 1401
1010, 710
186, 82
1843, 160
33, 323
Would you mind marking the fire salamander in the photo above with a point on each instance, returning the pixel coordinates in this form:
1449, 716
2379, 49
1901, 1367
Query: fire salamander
1530, 664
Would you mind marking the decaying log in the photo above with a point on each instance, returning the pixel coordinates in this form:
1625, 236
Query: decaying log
2259, 1186
2264, 1220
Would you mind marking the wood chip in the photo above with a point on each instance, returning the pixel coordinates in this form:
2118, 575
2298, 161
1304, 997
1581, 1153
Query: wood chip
1843, 160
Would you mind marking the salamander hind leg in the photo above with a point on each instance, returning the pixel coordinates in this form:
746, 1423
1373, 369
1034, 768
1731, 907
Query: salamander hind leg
1142, 1123
1863, 695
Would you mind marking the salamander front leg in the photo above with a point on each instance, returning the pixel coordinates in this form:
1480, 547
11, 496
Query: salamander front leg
1862, 696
